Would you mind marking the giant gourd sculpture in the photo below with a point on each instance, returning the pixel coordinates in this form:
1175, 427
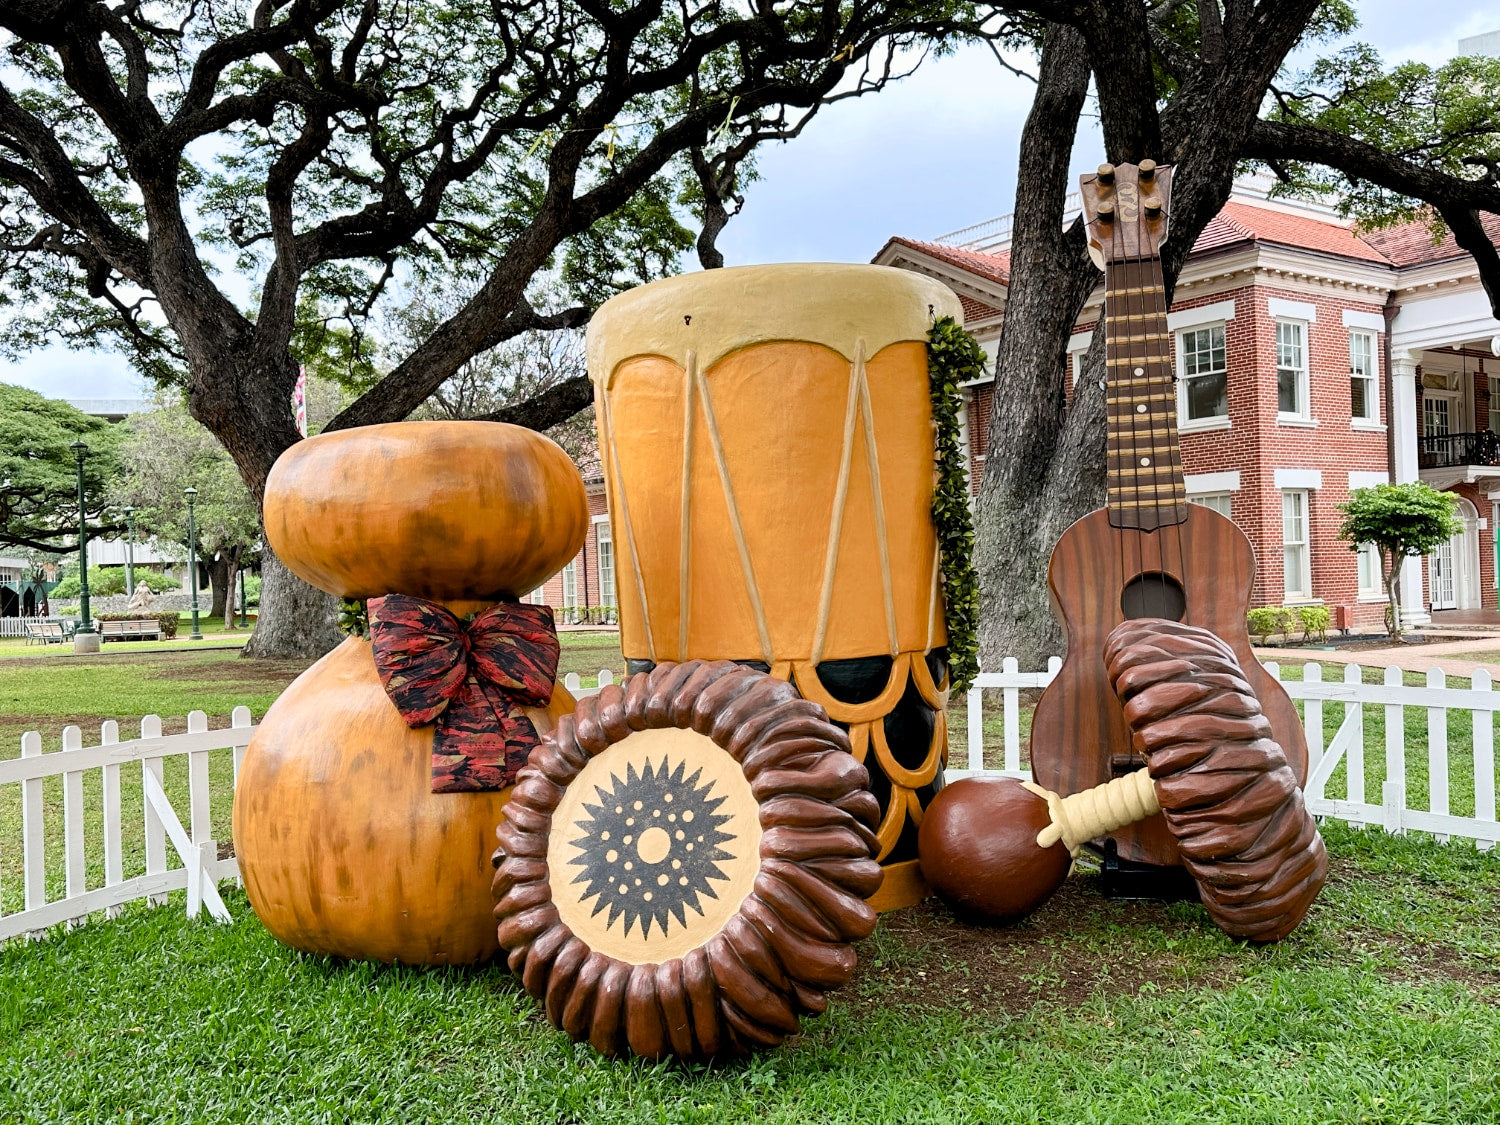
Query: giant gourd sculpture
365, 812
767, 441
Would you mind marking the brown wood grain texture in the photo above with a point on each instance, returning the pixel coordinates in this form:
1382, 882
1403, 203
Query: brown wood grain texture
1079, 734
1228, 795
789, 942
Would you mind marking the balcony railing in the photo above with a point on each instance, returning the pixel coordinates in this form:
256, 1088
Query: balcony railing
1439, 451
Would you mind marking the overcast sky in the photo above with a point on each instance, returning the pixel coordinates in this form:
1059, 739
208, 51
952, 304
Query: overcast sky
932, 154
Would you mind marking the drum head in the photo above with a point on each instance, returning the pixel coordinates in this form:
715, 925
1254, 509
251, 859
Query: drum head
685, 861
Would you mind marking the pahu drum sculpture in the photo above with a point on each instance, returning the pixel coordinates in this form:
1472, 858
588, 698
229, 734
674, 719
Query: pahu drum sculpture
684, 863
767, 440
367, 802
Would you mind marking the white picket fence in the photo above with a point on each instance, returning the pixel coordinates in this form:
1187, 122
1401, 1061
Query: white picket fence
1346, 748
196, 847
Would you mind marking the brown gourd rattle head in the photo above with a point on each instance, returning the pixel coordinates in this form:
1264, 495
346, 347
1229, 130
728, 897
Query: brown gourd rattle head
450, 511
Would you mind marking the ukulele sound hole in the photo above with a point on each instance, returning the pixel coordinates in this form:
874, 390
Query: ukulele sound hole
1154, 595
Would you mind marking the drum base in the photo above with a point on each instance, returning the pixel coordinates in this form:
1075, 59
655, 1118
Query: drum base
903, 886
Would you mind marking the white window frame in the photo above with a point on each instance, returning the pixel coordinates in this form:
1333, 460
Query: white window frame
604, 544
1302, 414
1214, 421
570, 584
1219, 501
1371, 419
1368, 560
1495, 412
1297, 587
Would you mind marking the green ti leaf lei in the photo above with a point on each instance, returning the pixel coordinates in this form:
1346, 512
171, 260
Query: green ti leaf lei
953, 358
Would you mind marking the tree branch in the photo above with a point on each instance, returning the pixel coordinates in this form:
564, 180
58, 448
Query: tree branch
556, 404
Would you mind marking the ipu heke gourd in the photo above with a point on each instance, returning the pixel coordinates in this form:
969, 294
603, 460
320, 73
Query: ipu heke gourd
343, 847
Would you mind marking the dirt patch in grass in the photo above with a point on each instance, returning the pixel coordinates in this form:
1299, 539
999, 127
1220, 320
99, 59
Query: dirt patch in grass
51, 727
237, 671
924, 956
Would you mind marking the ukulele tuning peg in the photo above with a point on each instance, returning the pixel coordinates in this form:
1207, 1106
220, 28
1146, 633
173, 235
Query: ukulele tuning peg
1152, 205
1106, 174
1147, 170
1106, 212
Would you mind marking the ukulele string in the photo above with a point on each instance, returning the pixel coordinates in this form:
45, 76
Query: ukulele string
1150, 368
1122, 368
1137, 370
1178, 483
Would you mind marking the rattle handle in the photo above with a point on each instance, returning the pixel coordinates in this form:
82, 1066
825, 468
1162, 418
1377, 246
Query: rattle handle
1095, 812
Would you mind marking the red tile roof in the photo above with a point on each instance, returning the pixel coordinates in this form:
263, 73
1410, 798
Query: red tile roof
991, 267
1411, 244
1240, 221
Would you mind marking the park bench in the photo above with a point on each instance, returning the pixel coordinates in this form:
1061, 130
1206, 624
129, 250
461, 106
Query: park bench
144, 629
45, 633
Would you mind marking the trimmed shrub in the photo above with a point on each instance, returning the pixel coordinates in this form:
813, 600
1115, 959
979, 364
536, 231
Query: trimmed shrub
1314, 620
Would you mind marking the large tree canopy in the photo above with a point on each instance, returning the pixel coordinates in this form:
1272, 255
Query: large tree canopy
329, 147
39, 471
1202, 85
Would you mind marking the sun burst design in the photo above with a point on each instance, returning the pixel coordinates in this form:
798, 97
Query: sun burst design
651, 846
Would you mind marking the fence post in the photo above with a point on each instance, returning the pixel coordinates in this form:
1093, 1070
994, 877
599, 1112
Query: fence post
239, 717
572, 682
606, 677
1012, 715
1312, 717
1393, 791
33, 835
1484, 758
114, 857
156, 832
976, 727
1437, 752
73, 860
1354, 718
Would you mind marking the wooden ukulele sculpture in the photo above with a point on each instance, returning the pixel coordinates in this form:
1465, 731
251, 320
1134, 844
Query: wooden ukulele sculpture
1148, 556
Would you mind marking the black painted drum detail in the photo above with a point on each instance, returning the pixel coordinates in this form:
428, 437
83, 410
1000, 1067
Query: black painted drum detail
652, 846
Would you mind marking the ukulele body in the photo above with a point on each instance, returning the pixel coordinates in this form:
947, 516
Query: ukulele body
1199, 572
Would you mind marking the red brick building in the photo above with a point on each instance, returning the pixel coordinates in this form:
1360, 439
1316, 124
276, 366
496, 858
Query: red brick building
1311, 360
583, 592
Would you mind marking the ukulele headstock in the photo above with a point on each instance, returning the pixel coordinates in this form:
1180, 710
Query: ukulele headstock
1125, 206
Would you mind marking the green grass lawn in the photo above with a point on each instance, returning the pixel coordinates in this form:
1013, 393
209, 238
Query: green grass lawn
1383, 1007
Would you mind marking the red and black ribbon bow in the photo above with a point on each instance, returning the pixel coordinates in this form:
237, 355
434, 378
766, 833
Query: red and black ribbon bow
471, 678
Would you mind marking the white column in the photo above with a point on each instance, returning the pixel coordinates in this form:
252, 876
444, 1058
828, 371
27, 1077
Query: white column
1406, 427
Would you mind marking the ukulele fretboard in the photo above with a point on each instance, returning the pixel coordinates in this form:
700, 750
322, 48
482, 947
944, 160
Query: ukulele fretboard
1146, 489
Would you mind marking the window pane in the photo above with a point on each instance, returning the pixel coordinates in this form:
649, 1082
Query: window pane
1208, 397
1218, 501
1286, 391
1358, 400
1369, 569
1205, 382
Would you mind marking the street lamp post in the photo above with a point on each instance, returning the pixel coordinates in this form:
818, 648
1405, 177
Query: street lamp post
192, 495
84, 637
129, 552
244, 605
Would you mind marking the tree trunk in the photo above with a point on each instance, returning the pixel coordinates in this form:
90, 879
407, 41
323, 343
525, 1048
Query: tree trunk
1051, 277
218, 581
295, 621
1049, 468
232, 564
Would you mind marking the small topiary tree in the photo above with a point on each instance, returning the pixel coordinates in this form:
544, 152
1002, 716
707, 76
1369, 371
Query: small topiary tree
1402, 521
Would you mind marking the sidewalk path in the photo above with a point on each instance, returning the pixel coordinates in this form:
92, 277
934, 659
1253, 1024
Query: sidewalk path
1448, 655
